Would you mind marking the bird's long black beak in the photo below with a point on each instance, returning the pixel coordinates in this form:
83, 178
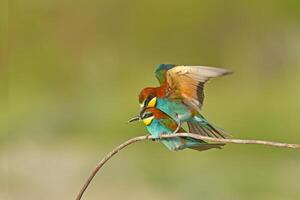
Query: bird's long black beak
138, 117
135, 118
143, 109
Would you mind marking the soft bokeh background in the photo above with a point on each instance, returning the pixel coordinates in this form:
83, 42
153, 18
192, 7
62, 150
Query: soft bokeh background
76, 68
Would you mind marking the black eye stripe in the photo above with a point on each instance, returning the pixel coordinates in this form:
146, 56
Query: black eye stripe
146, 102
149, 98
147, 115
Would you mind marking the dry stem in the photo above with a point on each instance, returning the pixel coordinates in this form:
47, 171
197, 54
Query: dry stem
195, 136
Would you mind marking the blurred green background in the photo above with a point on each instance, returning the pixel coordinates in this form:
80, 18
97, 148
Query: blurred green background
75, 68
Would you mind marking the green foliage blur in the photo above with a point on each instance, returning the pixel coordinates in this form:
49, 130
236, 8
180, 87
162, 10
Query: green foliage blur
74, 70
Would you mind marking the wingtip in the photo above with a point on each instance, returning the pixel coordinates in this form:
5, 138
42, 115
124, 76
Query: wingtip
228, 72
207, 71
222, 71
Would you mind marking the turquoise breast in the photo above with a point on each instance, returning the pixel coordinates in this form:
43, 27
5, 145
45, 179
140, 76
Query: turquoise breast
156, 129
173, 109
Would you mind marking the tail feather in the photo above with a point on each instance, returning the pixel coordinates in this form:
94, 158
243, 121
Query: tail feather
198, 129
180, 143
206, 129
204, 147
200, 145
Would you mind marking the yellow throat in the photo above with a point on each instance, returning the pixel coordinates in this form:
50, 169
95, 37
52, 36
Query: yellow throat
148, 120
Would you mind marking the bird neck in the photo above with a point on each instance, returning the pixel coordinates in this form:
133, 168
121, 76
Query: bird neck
161, 91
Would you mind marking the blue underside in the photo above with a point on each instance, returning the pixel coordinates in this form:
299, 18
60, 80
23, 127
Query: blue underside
156, 129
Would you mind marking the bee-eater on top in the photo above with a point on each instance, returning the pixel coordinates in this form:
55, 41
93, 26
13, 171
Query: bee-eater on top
180, 95
158, 123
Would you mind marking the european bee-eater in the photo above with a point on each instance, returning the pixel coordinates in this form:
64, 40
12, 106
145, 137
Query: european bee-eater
180, 95
158, 123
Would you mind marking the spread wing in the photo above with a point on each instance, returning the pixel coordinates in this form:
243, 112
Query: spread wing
186, 83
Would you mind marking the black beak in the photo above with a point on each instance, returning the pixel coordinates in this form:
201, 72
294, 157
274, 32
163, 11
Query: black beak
136, 118
142, 111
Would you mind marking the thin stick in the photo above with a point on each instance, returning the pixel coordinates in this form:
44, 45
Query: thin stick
234, 141
195, 136
106, 158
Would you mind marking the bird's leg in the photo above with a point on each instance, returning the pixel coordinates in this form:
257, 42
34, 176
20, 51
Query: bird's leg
157, 138
152, 139
178, 127
179, 124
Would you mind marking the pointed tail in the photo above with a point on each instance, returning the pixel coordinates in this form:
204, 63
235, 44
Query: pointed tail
202, 127
204, 147
201, 145
180, 143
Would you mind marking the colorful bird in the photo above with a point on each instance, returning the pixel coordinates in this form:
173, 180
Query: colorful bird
180, 95
158, 123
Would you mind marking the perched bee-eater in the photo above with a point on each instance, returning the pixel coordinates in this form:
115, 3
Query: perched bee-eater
158, 123
180, 95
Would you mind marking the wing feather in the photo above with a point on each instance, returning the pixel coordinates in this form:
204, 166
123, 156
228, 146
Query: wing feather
161, 71
187, 83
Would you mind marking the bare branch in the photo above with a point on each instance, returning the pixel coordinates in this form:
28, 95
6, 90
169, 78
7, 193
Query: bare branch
234, 141
195, 136
106, 158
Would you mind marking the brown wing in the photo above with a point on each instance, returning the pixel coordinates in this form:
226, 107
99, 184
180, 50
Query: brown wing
186, 83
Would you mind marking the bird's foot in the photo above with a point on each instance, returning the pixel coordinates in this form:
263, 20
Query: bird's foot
178, 127
155, 138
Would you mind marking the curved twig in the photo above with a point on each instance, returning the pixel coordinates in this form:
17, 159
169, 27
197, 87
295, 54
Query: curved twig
195, 136
106, 158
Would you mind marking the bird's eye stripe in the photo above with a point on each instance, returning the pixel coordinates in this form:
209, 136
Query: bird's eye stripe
149, 98
147, 115
147, 102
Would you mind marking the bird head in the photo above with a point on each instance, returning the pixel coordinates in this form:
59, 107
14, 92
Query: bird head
147, 117
147, 99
